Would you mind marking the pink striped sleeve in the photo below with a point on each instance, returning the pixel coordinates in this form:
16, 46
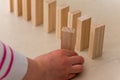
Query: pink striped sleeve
3, 55
9, 64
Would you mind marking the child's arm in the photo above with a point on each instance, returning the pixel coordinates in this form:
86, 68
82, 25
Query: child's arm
13, 66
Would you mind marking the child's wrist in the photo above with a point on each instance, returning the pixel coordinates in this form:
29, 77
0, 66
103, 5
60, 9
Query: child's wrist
32, 70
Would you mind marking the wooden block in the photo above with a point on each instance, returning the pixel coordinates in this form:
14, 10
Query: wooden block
72, 18
26, 7
49, 15
96, 41
18, 7
68, 38
61, 19
83, 33
11, 5
37, 12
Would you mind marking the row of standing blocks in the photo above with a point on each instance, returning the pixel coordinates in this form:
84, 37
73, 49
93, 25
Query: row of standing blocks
74, 30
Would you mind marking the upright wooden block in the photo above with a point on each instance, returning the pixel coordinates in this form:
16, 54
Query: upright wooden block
72, 18
83, 33
96, 41
61, 19
18, 7
26, 7
11, 5
49, 15
68, 38
37, 12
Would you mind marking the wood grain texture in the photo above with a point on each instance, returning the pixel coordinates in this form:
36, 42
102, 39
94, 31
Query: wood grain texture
72, 18
37, 12
18, 7
49, 15
61, 19
11, 5
83, 33
68, 38
26, 7
96, 41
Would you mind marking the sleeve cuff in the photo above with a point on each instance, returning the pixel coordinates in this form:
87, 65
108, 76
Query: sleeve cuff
19, 67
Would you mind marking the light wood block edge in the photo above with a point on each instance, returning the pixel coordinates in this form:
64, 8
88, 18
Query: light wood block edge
96, 41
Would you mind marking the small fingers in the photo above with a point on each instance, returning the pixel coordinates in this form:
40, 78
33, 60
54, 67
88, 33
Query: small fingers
76, 60
69, 53
77, 69
70, 76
